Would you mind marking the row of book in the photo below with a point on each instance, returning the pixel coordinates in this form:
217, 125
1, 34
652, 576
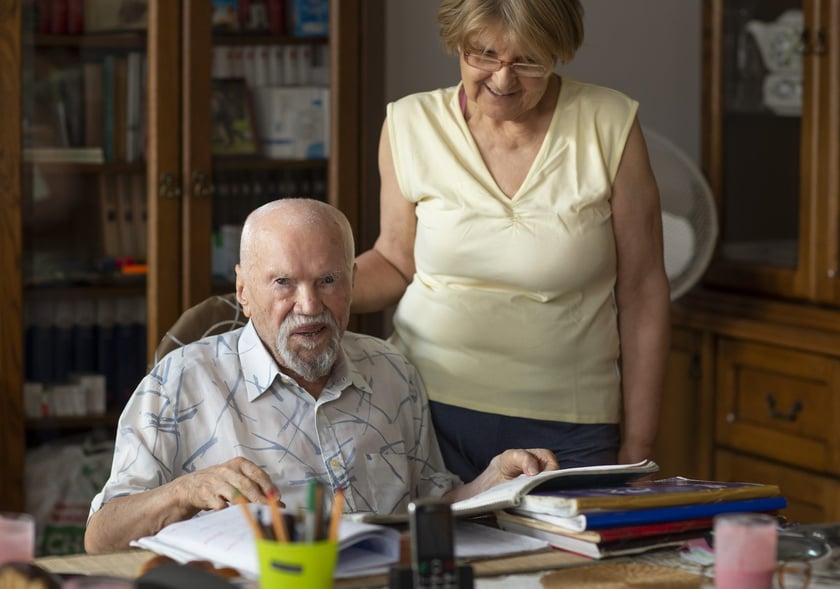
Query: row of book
272, 65
634, 517
64, 338
238, 193
91, 111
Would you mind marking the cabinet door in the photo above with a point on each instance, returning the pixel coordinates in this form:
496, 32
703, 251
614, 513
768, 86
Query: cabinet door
271, 109
683, 446
765, 90
779, 403
811, 498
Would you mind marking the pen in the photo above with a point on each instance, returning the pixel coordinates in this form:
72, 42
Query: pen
240, 499
335, 518
280, 533
310, 524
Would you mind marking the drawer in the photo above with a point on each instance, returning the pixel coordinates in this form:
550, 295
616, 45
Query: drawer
811, 498
780, 403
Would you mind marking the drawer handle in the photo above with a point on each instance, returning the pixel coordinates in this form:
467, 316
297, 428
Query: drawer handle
789, 416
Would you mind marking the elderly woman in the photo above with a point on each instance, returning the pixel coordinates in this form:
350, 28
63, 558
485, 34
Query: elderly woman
521, 235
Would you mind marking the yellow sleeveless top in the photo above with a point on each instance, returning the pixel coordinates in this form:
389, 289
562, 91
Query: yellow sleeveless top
511, 308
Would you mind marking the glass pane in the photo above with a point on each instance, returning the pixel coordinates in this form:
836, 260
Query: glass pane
84, 207
270, 115
761, 135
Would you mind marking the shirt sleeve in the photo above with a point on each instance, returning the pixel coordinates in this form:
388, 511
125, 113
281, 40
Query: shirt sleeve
143, 442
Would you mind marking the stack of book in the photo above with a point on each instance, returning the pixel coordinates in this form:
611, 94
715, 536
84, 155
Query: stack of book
636, 516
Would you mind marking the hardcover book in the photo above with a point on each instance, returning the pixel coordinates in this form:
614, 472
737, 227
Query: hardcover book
620, 547
596, 520
642, 494
700, 525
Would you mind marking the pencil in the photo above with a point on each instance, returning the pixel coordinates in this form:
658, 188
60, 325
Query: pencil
255, 526
335, 518
280, 533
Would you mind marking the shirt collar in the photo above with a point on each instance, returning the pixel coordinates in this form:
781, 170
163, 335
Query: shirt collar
260, 370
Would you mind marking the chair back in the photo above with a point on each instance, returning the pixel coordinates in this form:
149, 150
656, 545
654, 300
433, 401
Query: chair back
216, 314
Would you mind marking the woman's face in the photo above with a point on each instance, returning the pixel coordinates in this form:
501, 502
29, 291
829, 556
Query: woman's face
501, 95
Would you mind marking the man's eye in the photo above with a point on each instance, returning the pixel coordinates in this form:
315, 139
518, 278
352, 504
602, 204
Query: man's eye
282, 281
329, 279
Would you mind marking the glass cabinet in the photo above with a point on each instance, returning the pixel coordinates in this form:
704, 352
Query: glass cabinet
135, 136
771, 134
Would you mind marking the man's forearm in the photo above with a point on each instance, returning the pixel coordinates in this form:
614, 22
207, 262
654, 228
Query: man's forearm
130, 517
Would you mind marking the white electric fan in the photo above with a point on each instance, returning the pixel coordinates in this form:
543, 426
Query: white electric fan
689, 216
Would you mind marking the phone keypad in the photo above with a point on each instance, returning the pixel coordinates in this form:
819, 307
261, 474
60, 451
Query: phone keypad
437, 573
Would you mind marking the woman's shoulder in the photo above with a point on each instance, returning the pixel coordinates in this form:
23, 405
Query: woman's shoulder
429, 99
577, 90
601, 102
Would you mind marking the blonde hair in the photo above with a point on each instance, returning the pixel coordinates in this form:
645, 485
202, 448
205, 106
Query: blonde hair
548, 30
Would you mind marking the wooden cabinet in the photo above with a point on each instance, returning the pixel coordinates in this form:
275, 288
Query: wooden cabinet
771, 118
768, 309
685, 433
182, 181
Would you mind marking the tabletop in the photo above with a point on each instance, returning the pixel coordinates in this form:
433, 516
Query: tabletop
552, 568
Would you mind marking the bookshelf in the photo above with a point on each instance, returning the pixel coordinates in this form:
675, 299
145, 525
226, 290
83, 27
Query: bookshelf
181, 183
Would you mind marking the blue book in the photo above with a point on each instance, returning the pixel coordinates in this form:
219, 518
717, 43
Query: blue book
641, 495
609, 518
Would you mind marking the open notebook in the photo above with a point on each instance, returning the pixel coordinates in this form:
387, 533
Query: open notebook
225, 539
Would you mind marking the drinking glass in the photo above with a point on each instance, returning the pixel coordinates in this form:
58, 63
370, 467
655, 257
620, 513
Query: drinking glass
17, 537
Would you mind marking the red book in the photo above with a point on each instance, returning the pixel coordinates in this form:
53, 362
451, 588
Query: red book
45, 16
75, 16
58, 17
277, 16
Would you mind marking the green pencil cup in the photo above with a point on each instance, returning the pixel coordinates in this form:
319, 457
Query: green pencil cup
302, 565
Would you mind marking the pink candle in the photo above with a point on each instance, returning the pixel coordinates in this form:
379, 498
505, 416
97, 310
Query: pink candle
745, 551
17, 537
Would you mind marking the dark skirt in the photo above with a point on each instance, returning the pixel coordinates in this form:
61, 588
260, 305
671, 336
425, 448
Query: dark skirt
470, 439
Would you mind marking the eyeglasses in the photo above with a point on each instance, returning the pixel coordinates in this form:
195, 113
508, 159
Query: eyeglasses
492, 64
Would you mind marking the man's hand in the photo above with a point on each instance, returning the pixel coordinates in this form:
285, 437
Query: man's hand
126, 518
512, 463
217, 486
505, 466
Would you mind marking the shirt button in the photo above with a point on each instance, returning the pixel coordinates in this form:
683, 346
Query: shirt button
335, 463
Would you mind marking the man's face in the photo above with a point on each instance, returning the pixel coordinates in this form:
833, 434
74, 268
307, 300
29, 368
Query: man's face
296, 289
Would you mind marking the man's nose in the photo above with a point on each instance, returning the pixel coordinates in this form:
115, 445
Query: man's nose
308, 301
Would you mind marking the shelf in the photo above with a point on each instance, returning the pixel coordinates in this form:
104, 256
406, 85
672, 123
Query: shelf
130, 288
243, 164
71, 423
112, 40
265, 39
88, 168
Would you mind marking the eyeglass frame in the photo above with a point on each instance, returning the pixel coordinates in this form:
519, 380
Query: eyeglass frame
502, 63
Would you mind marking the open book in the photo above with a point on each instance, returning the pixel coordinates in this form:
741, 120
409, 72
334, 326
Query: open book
225, 539
509, 494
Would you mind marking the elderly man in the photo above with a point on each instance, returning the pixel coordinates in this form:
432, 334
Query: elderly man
289, 397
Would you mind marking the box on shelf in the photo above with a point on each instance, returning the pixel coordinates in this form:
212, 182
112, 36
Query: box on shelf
309, 18
293, 122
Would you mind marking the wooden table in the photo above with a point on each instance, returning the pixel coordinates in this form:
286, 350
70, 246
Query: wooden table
545, 570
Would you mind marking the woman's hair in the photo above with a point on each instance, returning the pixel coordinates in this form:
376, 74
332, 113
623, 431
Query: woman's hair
548, 30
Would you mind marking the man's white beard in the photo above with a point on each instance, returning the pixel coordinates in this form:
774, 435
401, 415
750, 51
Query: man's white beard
310, 369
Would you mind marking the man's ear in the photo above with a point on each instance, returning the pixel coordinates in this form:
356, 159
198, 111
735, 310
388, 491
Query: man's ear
240, 291
353, 275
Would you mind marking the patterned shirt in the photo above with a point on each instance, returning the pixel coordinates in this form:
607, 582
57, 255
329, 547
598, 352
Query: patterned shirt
224, 396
